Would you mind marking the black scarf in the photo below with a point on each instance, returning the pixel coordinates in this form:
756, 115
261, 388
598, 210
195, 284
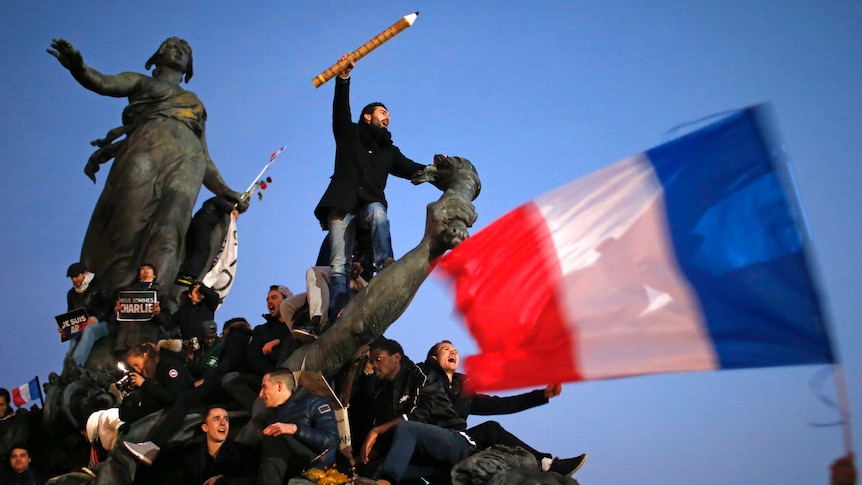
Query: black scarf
374, 136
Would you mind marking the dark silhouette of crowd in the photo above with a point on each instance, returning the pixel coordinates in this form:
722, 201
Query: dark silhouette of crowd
402, 423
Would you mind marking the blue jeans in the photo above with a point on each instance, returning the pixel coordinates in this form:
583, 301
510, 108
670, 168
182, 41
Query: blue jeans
79, 348
376, 219
342, 233
418, 449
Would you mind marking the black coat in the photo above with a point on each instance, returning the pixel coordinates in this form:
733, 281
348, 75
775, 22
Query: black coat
95, 299
362, 162
158, 392
272, 329
233, 357
27, 477
172, 377
189, 316
232, 460
212, 211
480, 404
163, 319
414, 396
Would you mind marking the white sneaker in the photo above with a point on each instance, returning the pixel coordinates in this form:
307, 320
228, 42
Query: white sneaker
146, 451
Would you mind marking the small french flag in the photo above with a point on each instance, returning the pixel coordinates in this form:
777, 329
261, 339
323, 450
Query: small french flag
25, 393
275, 154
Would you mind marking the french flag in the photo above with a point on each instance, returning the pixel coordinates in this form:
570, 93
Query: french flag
688, 257
23, 394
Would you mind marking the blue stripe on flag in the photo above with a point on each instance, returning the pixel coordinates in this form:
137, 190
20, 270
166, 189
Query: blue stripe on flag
34, 389
738, 242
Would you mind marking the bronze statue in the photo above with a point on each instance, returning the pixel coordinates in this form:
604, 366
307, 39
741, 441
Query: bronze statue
373, 309
159, 167
365, 318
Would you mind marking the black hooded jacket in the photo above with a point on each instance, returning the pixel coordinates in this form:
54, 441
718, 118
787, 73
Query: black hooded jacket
413, 396
272, 329
480, 404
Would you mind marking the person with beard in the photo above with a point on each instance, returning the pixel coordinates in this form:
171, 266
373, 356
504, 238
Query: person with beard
271, 344
89, 293
364, 159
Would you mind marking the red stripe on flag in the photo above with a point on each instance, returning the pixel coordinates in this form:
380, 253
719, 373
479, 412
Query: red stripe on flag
507, 283
18, 399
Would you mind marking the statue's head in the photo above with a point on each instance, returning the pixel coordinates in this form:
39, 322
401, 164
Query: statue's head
71, 397
176, 47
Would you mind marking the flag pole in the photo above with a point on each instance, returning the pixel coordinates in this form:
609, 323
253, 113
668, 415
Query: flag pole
248, 192
39, 386
843, 405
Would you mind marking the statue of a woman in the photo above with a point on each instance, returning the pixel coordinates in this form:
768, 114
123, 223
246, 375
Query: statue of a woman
159, 167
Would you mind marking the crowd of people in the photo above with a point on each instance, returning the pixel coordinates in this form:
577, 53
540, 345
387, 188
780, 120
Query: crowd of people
178, 363
408, 421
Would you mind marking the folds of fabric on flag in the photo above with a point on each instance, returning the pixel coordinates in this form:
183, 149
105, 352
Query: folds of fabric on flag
220, 277
25, 393
690, 256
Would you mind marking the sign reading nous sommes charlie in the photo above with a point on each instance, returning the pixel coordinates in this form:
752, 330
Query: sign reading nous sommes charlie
136, 306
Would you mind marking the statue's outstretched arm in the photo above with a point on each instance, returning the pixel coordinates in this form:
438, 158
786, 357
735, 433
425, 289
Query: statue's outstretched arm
118, 86
214, 182
386, 297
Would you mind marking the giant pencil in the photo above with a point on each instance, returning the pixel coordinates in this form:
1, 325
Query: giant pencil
369, 46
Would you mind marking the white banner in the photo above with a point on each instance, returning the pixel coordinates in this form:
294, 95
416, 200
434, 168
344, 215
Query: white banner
220, 277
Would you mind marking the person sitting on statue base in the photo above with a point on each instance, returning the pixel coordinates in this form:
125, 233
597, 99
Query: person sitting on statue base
303, 432
87, 292
308, 312
219, 460
416, 432
199, 305
159, 378
441, 365
199, 237
270, 345
203, 362
132, 333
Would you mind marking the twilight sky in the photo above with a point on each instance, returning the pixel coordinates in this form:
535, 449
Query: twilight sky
535, 94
